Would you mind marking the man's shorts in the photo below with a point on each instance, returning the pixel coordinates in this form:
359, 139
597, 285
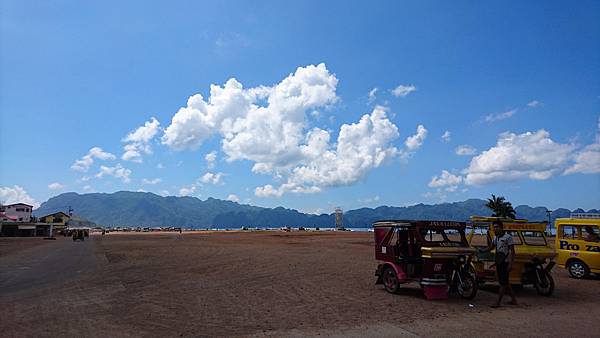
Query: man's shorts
502, 270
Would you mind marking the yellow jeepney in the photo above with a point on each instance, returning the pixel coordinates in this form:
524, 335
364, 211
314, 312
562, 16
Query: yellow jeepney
533, 254
578, 244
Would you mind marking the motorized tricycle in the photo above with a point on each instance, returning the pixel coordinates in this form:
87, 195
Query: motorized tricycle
78, 234
533, 259
433, 253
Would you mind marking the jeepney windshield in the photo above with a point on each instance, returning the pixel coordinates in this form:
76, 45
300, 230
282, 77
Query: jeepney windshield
534, 238
443, 236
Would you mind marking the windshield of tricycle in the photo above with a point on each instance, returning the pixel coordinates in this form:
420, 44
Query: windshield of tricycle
481, 234
534, 238
435, 236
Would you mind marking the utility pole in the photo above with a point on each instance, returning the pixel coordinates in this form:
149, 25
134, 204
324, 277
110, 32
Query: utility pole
549, 213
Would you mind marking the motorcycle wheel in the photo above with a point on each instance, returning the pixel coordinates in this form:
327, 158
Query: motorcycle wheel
544, 285
468, 288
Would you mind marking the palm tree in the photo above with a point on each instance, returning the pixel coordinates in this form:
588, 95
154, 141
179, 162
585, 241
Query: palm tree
500, 207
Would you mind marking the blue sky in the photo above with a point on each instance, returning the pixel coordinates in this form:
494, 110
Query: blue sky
325, 107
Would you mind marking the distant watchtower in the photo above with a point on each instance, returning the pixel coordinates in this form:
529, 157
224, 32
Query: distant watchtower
339, 218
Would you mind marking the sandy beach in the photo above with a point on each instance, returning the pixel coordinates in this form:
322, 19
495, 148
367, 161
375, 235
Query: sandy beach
252, 284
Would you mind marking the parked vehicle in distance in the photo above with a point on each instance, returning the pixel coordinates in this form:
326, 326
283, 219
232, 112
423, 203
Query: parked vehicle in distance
533, 255
79, 234
578, 244
433, 253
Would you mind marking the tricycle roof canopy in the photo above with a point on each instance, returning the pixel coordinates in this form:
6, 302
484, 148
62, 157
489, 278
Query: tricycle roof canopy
509, 224
491, 219
415, 223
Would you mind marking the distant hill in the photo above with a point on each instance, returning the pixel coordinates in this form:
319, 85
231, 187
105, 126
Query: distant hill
125, 208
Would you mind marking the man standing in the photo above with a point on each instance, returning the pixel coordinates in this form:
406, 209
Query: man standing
505, 255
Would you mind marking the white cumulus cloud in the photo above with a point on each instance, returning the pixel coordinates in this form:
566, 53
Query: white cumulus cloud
445, 179
587, 160
138, 141
55, 186
447, 136
187, 191
86, 161
500, 116
373, 94
117, 171
211, 178
16, 194
465, 150
269, 127
233, 198
531, 155
402, 90
414, 142
368, 200
210, 159
360, 147
151, 181
275, 112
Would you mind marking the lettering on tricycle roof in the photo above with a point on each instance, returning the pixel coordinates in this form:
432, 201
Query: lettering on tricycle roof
445, 224
515, 226
398, 223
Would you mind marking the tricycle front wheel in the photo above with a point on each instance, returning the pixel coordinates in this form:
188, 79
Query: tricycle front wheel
467, 289
544, 284
390, 280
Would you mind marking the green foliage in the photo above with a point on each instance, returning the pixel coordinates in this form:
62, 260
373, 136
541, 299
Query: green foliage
500, 207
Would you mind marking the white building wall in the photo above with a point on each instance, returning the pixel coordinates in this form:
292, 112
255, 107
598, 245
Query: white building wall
22, 212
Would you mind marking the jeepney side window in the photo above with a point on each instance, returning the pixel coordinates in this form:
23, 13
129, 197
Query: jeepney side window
570, 232
590, 233
515, 236
534, 238
481, 239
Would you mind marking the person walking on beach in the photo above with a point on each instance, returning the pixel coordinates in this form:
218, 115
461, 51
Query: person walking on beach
505, 255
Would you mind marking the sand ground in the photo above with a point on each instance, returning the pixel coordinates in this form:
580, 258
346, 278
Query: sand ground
265, 284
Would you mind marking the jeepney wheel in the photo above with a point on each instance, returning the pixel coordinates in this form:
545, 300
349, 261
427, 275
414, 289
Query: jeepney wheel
578, 269
545, 284
390, 280
468, 288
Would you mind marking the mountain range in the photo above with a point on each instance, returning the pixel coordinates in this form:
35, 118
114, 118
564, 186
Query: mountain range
133, 209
